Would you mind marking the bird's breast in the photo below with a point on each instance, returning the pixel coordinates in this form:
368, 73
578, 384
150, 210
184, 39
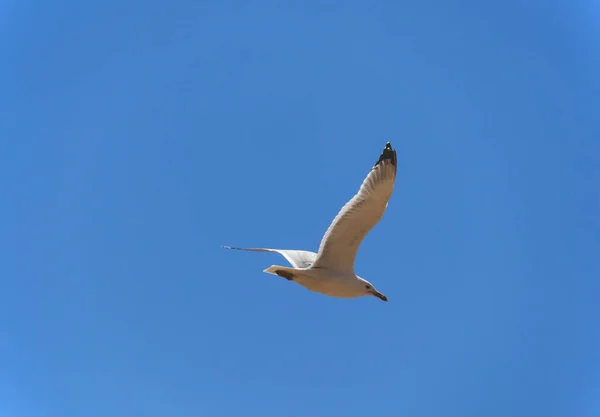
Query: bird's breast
332, 284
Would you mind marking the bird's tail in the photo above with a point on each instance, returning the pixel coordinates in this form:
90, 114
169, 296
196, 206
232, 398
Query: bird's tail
282, 271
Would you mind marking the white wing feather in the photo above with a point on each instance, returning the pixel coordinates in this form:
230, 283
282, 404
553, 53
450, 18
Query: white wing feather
297, 258
354, 221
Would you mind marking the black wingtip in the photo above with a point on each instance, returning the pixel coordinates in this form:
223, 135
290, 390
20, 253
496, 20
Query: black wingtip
388, 154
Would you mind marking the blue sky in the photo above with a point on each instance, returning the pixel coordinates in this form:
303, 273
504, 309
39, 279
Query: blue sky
137, 137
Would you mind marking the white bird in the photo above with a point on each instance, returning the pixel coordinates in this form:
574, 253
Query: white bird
331, 270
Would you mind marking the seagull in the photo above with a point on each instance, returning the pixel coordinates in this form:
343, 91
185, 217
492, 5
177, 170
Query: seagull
331, 270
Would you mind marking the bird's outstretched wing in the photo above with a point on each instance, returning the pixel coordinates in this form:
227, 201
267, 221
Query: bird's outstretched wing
297, 258
343, 237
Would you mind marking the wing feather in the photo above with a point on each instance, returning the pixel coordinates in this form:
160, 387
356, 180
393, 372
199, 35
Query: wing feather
297, 258
358, 216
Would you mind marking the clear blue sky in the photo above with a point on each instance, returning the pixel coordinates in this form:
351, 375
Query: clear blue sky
137, 137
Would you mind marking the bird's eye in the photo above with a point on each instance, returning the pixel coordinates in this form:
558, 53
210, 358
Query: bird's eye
368, 287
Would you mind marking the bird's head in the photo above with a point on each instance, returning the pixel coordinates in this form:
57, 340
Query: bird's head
369, 289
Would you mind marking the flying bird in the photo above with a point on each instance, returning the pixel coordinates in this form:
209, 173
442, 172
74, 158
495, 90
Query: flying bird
331, 270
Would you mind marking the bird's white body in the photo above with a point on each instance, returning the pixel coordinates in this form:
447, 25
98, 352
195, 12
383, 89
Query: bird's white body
331, 270
333, 283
